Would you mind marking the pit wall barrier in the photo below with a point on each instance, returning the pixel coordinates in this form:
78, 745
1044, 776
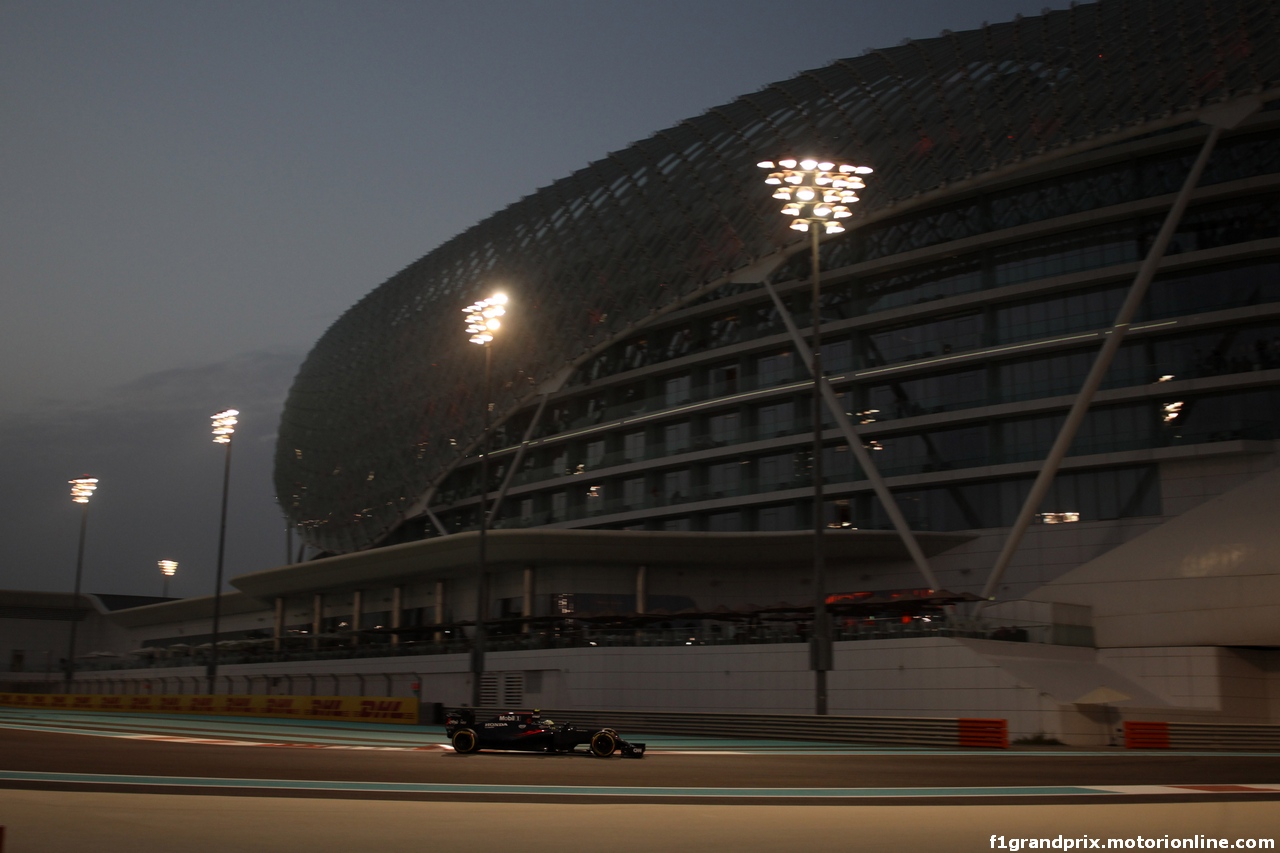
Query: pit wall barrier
1141, 734
983, 733
363, 708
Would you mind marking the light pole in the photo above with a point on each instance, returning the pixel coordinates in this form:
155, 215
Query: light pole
81, 490
224, 426
168, 568
482, 322
818, 195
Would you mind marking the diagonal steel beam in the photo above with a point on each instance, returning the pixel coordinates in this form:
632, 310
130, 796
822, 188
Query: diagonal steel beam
515, 463
1225, 116
855, 444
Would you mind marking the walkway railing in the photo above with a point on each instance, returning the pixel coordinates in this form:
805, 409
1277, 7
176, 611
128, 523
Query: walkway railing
571, 634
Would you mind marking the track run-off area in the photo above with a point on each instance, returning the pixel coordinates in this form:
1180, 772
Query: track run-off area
216, 783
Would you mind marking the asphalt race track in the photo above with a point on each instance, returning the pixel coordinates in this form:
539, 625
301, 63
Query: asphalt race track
194, 784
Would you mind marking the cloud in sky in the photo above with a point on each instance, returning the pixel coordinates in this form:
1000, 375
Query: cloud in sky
149, 444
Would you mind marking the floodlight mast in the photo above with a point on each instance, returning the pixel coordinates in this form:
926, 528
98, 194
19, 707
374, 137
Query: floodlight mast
81, 490
224, 426
817, 194
483, 320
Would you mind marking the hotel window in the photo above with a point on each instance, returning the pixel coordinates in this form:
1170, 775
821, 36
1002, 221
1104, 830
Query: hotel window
724, 330
776, 518
725, 521
676, 437
633, 446
774, 369
724, 379
723, 478
633, 493
926, 395
926, 340
777, 470
775, 419
677, 390
675, 485
723, 429
837, 357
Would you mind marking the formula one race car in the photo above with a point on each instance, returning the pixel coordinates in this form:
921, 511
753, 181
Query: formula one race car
528, 732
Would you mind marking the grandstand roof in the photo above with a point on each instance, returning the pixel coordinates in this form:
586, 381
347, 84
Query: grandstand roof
389, 398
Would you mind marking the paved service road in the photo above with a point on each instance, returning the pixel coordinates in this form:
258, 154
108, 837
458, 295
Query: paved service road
281, 787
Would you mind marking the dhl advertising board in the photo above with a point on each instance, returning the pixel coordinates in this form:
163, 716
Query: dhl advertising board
369, 708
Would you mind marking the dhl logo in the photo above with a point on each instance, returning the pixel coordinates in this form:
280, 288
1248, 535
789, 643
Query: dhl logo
339, 707
382, 708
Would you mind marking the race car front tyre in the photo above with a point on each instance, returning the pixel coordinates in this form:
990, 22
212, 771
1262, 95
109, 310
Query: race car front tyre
464, 740
603, 744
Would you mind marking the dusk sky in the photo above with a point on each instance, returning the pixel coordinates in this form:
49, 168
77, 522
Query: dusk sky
191, 192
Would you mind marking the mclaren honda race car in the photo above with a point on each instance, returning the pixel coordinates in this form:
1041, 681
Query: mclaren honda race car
527, 731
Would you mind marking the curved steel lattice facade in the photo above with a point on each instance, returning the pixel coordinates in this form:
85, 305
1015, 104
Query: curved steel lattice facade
388, 400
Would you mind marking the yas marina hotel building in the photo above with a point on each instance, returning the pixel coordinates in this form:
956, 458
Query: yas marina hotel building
1043, 478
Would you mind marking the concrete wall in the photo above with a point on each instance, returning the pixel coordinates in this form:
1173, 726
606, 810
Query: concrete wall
914, 677
1209, 577
44, 642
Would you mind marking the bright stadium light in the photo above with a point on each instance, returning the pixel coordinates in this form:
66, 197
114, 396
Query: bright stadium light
821, 191
817, 195
168, 568
224, 426
82, 489
483, 319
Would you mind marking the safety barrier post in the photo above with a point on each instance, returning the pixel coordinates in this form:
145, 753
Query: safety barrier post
988, 733
1140, 734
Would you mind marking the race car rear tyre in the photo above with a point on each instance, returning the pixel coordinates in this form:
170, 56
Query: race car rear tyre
465, 740
603, 744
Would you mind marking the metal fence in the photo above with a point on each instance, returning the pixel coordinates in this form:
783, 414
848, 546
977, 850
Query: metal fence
908, 731
1144, 734
307, 684
675, 631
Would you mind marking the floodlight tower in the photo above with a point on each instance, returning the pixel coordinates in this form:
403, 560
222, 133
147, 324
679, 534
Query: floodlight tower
483, 319
81, 490
224, 426
817, 195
